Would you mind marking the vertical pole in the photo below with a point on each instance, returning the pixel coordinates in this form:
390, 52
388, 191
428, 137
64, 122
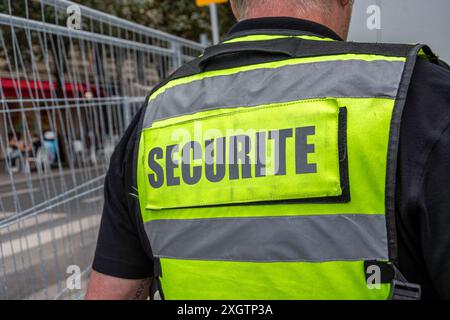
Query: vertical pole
204, 41
177, 55
3, 143
126, 107
214, 23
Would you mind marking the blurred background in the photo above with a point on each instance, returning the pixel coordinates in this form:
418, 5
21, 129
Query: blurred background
68, 93
406, 21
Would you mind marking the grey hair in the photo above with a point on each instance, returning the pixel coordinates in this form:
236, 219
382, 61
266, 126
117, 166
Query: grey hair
243, 6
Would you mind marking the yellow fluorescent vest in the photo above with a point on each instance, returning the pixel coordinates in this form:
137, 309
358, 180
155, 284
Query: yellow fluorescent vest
276, 180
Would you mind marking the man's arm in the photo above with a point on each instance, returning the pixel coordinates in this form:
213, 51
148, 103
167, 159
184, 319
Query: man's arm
423, 182
435, 217
122, 264
104, 287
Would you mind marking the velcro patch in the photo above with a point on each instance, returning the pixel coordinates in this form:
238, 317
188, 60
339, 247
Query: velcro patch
280, 152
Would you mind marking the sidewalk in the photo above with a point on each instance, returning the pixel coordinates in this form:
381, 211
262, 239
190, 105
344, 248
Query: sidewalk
21, 177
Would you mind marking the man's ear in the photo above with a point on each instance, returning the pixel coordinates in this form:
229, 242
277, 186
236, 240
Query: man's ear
345, 3
235, 12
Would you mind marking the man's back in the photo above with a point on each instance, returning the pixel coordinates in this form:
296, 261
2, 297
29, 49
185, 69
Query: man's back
423, 166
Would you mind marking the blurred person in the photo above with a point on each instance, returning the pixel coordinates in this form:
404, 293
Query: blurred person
51, 146
78, 151
36, 142
13, 153
333, 183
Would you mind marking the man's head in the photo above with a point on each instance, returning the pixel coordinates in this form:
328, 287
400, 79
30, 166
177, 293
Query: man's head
335, 14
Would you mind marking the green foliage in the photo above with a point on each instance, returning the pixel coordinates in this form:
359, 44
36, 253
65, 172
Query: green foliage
179, 17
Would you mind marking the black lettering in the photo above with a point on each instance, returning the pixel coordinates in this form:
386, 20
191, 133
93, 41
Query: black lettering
186, 163
157, 179
240, 155
280, 137
261, 154
218, 163
171, 165
302, 149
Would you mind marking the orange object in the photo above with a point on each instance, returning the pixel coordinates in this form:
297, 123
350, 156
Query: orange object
203, 3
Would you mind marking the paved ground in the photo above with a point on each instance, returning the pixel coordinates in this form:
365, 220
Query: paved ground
35, 252
21, 192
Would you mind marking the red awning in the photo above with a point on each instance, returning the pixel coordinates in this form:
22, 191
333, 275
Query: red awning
14, 89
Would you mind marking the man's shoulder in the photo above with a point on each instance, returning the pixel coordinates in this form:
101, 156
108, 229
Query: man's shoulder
434, 76
429, 91
427, 110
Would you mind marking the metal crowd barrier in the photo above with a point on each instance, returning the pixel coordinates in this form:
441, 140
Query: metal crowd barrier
67, 92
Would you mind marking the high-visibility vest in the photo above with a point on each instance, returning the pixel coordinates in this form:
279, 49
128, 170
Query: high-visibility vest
276, 179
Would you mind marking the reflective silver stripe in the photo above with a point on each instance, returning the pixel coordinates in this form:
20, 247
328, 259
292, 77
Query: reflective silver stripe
339, 79
272, 239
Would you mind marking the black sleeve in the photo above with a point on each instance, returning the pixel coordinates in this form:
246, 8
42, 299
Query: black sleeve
423, 182
435, 217
122, 248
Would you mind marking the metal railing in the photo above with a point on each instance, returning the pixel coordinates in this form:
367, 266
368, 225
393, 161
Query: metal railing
67, 96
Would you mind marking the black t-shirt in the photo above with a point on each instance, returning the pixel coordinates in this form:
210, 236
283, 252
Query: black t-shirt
422, 197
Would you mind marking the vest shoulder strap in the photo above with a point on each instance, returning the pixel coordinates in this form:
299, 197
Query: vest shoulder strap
300, 48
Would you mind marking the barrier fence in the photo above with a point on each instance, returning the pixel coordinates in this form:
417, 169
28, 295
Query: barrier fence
71, 80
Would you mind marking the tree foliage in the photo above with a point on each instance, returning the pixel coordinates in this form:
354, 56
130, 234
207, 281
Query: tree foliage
179, 17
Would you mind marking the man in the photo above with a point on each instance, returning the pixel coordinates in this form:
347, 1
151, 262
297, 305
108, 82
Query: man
329, 186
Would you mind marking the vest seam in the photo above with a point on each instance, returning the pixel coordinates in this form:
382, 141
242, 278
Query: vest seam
273, 217
272, 260
393, 150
